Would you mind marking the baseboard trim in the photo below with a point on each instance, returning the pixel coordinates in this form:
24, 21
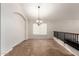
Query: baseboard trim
4, 53
65, 47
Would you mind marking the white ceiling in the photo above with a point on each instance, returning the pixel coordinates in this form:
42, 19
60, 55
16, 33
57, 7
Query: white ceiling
52, 11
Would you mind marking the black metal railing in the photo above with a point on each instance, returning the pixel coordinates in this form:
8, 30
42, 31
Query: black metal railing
70, 38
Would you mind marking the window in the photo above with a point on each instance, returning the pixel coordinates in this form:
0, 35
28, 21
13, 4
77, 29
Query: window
40, 30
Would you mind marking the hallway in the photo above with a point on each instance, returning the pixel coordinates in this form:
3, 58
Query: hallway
39, 47
31, 28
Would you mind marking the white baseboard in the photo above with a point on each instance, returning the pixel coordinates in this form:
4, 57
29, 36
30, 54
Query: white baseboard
3, 53
65, 46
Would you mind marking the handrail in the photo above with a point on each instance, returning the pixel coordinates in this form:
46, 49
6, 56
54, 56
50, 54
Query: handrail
67, 32
69, 38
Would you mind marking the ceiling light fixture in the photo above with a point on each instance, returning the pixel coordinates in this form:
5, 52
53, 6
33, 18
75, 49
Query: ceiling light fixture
39, 21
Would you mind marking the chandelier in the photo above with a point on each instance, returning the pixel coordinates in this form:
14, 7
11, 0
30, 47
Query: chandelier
39, 21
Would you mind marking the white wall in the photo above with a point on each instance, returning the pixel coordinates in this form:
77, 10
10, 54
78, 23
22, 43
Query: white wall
67, 19
0, 29
67, 26
12, 26
26, 29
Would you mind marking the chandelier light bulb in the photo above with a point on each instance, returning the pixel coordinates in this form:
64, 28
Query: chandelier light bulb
37, 21
41, 21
